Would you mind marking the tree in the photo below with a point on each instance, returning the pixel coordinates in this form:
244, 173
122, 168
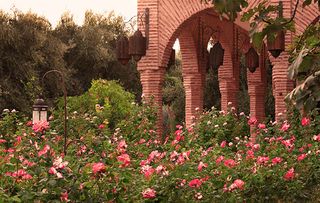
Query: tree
27, 50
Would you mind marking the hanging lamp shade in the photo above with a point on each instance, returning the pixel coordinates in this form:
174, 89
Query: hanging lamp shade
276, 45
216, 55
252, 60
172, 58
137, 45
122, 50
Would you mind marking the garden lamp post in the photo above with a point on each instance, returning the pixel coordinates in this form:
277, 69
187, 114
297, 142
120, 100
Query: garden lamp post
39, 111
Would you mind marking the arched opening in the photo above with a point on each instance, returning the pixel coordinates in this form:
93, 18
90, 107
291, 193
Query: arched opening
173, 92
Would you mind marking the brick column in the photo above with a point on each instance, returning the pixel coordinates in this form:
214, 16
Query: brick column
257, 100
194, 95
151, 81
282, 85
229, 89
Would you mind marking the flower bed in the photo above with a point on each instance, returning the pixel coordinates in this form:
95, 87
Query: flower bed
213, 161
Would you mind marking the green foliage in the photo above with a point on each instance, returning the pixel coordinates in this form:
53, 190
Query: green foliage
305, 68
107, 101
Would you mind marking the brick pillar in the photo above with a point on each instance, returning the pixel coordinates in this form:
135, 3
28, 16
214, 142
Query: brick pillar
229, 89
257, 100
151, 81
282, 85
194, 97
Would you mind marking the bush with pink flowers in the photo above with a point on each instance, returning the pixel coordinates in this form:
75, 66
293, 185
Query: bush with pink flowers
210, 161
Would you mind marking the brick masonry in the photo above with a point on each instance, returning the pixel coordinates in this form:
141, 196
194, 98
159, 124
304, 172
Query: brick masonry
172, 19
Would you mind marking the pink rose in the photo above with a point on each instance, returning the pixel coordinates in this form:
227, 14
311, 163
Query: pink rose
202, 165
98, 168
289, 175
64, 197
149, 193
261, 126
239, 184
252, 121
301, 157
285, 127
125, 159
219, 159
276, 160
195, 183
40, 126
305, 121
230, 163
223, 144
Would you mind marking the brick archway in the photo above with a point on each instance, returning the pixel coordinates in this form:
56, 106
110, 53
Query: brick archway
178, 19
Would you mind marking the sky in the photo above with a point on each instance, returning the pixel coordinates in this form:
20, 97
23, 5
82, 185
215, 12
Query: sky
53, 9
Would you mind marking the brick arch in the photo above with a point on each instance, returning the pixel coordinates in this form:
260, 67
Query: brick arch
173, 15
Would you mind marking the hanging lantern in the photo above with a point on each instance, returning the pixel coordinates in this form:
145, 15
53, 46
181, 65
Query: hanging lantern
123, 50
252, 60
216, 55
276, 45
39, 111
172, 58
137, 45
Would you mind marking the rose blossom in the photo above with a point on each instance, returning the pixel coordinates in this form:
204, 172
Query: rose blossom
223, 144
202, 165
64, 197
125, 159
195, 183
305, 121
40, 126
252, 121
149, 193
276, 160
301, 157
98, 167
289, 175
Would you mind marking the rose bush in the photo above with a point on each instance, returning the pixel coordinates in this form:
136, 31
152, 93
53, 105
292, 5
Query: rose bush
210, 161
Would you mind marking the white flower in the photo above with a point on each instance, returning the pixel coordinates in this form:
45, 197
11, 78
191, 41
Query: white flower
229, 103
216, 126
209, 123
6, 110
197, 109
14, 111
225, 123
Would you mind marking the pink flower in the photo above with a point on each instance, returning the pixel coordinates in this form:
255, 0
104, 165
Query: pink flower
239, 184
250, 154
98, 168
125, 159
149, 193
252, 121
122, 146
276, 160
2, 141
301, 157
219, 159
20, 174
195, 183
64, 197
223, 144
202, 165
256, 147
40, 126
147, 171
261, 126
52, 171
285, 127
230, 163
45, 149
316, 138
101, 126
305, 121
289, 175
59, 164
262, 160
29, 123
